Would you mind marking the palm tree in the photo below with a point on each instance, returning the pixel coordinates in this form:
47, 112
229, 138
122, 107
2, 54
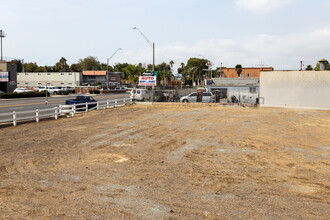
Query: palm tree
238, 68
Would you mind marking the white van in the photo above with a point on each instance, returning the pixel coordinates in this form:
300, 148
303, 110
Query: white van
140, 94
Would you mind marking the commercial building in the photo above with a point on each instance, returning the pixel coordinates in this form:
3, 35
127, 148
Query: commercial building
92, 77
8, 76
32, 79
295, 89
247, 72
243, 90
72, 79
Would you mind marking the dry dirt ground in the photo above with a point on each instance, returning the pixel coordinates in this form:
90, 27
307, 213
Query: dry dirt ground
169, 162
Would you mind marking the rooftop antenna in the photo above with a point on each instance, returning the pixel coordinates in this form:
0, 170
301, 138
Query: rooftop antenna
261, 64
2, 35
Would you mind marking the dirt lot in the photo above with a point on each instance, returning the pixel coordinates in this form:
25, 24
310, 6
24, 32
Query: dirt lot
169, 162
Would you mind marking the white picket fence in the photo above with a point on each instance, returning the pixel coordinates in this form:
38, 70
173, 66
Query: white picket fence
19, 116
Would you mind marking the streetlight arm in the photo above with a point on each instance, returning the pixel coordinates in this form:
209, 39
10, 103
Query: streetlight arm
112, 55
150, 43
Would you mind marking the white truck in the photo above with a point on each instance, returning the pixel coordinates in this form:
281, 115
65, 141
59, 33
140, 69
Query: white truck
140, 94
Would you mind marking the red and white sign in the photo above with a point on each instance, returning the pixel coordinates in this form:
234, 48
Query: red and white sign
208, 64
148, 81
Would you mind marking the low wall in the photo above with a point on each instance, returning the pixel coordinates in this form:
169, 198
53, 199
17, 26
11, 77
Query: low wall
295, 89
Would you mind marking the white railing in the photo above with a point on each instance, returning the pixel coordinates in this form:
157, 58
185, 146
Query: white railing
17, 116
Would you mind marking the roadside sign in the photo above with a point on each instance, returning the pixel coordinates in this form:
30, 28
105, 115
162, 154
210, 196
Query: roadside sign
4, 77
154, 73
208, 64
148, 81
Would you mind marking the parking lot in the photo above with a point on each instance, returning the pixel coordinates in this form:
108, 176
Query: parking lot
169, 161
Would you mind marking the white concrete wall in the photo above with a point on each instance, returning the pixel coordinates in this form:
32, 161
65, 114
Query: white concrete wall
295, 89
54, 78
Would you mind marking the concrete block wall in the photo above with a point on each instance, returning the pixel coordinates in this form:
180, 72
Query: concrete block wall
295, 89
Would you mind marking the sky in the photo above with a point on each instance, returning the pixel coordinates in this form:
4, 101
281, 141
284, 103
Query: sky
277, 33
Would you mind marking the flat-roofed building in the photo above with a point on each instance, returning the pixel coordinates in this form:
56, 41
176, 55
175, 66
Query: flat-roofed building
35, 79
247, 72
8, 74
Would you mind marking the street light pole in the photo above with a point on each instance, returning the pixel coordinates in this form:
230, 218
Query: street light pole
107, 77
152, 44
2, 35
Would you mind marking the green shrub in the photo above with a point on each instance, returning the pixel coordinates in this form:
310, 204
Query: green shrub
24, 95
65, 92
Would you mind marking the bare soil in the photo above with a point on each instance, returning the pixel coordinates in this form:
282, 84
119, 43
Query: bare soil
169, 162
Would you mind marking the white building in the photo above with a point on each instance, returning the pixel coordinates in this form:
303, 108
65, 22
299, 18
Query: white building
51, 78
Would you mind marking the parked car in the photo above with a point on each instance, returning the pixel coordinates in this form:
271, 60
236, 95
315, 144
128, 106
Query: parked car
69, 89
1, 92
193, 97
21, 90
40, 89
54, 90
140, 94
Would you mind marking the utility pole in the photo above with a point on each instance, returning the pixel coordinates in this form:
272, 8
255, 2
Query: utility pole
301, 65
2, 35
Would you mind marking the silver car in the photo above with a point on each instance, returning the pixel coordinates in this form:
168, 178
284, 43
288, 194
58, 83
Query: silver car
192, 97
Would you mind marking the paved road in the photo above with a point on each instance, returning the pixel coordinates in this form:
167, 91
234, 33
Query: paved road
27, 104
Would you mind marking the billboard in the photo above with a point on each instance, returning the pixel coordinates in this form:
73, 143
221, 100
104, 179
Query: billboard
4, 77
147, 81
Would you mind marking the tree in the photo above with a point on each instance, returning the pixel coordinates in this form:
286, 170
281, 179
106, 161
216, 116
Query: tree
238, 68
164, 72
76, 67
183, 73
30, 67
19, 65
41, 69
194, 69
309, 67
89, 63
132, 73
61, 66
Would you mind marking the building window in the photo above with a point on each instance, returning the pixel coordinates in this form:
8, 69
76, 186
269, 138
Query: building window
249, 74
62, 74
26, 74
253, 90
91, 77
39, 83
242, 75
48, 73
70, 73
17, 74
39, 74
26, 83
70, 83
223, 75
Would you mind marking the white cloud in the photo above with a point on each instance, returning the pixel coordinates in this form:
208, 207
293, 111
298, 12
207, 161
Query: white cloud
261, 5
327, 3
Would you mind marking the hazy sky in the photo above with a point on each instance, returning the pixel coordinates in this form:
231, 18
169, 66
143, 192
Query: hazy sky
277, 33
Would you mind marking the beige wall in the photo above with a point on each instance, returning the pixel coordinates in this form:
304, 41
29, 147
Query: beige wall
3, 66
295, 89
55, 79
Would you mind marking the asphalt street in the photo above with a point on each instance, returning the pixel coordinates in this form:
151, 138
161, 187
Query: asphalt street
26, 104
